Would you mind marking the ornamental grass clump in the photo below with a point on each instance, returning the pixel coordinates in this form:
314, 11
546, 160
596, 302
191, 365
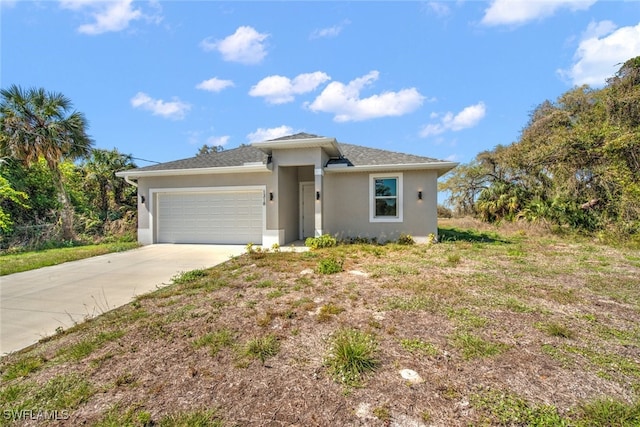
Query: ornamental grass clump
351, 356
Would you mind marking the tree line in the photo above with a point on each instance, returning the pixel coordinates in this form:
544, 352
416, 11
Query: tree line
576, 164
54, 186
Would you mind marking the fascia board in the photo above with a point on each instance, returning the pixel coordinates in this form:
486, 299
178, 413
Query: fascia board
194, 171
441, 167
268, 146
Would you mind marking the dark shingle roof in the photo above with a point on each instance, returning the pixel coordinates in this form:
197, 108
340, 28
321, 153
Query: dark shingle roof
353, 155
225, 158
358, 155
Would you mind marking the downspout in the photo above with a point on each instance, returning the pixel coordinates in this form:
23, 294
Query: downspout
128, 180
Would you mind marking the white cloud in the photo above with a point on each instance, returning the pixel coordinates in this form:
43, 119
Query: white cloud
467, 118
439, 8
262, 134
599, 29
280, 89
214, 84
109, 16
174, 110
329, 31
601, 53
218, 140
345, 103
246, 46
195, 138
515, 12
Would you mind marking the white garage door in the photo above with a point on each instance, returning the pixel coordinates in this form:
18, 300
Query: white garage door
228, 217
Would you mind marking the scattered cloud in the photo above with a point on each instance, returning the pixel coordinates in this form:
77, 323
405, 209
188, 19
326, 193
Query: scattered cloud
175, 110
110, 16
329, 32
517, 12
246, 46
439, 8
8, 3
280, 90
216, 141
601, 52
262, 134
195, 138
467, 118
214, 84
345, 103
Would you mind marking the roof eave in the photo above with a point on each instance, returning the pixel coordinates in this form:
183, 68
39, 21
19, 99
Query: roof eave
134, 174
440, 167
329, 144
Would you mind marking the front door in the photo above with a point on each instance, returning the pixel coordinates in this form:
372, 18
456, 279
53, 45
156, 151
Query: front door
307, 210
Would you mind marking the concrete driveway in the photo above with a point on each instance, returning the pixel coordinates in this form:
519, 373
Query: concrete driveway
34, 303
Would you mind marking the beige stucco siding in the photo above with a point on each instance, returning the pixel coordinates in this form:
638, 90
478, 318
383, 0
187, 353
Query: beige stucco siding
303, 157
347, 201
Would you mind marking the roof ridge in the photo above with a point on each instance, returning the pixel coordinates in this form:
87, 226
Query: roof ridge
299, 135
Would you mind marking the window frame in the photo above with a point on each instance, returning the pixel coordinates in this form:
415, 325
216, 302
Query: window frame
372, 197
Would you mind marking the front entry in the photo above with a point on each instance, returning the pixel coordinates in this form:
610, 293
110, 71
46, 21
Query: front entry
307, 210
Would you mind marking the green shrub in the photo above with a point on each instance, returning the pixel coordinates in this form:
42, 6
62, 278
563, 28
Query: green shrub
405, 239
330, 266
324, 241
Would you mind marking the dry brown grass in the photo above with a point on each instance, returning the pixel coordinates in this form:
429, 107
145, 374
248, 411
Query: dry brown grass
545, 320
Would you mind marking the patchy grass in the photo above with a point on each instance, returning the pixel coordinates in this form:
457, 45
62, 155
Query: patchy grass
416, 345
352, 354
262, 347
473, 346
25, 261
215, 341
505, 326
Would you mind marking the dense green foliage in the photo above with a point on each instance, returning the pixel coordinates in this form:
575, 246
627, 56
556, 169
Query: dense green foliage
53, 185
576, 164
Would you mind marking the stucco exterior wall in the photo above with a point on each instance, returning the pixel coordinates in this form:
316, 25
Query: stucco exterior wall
300, 157
347, 201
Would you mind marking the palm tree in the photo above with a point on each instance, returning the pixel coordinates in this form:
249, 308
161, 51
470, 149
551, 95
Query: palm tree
100, 169
35, 123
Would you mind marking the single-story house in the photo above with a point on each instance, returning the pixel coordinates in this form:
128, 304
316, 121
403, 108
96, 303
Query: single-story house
288, 189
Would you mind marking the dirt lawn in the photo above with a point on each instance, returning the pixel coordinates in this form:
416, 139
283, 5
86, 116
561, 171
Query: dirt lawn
506, 328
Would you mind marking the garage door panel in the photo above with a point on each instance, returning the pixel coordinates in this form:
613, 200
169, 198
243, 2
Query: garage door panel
210, 217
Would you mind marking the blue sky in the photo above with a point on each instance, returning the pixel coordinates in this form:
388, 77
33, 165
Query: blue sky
447, 79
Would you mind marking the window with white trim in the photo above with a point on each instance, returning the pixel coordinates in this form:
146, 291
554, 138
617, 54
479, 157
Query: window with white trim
385, 197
